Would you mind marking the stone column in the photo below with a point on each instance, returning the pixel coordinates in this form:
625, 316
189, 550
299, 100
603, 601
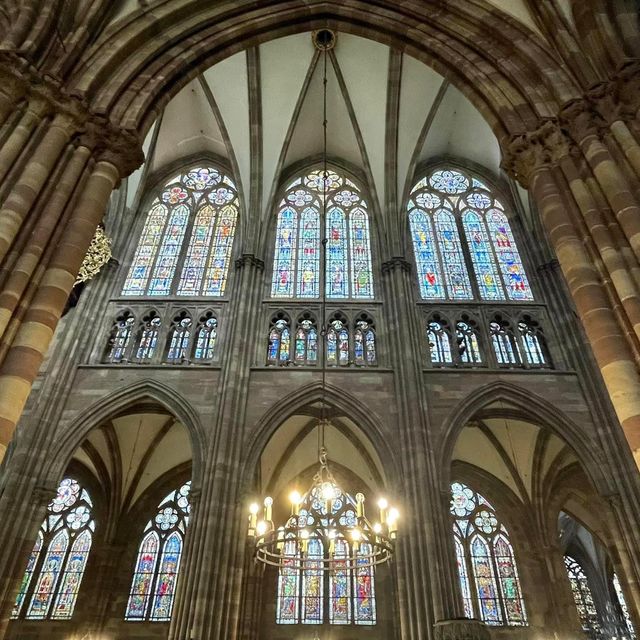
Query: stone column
23, 360
33, 179
12, 86
533, 157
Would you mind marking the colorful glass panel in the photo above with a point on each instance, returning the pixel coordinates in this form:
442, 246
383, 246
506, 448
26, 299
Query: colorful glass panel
179, 343
284, 259
289, 587
464, 578
215, 281
364, 589
505, 345
206, 340
340, 585
308, 269
485, 580
142, 584
427, 260
533, 349
623, 607
73, 573
508, 580
455, 270
167, 578
582, 595
313, 585
513, 274
468, 348
337, 281
359, 247
145, 255
285, 344
439, 344
120, 339
148, 340
49, 576
484, 263
195, 260
28, 574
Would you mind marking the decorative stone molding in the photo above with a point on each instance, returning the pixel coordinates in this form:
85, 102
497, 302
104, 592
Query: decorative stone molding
461, 629
397, 262
249, 260
98, 255
581, 119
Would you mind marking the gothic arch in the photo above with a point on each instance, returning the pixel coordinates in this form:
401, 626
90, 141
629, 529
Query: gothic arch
117, 401
129, 75
531, 407
372, 428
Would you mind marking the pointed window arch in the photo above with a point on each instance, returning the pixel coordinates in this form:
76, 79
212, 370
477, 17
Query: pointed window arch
624, 609
148, 337
582, 595
57, 562
279, 348
206, 337
347, 594
487, 568
178, 347
297, 257
505, 344
306, 343
533, 342
364, 344
467, 343
120, 337
195, 216
158, 561
459, 227
439, 343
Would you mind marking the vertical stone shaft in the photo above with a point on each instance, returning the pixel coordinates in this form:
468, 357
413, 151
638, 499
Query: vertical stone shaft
627, 143
32, 180
29, 260
609, 347
29, 347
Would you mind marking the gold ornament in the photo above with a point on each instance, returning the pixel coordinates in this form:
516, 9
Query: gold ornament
98, 255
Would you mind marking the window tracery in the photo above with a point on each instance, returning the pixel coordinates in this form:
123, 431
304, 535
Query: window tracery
158, 562
306, 347
338, 343
446, 206
297, 259
467, 342
206, 337
533, 342
582, 595
148, 337
624, 609
505, 343
120, 337
487, 568
279, 349
59, 557
179, 339
195, 216
439, 342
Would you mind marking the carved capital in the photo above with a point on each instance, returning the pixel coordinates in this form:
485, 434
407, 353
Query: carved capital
525, 153
397, 262
581, 119
249, 260
605, 101
461, 629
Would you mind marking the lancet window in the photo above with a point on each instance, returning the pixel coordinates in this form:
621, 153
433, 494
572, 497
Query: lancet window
306, 344
279, 348
206, 336
624, 609
57, 562
467, 343
347, 596
185, 245
486, 562
148, 337
505, 343
178, 346
338, 352
157, 565
463, 244
298, 247
533, 343
582, 595
439, 343
120, 337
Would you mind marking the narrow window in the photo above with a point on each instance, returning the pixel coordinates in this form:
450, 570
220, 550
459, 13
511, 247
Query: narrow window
582, 595
120, 338
439, 343
179, 340
206, 337
505, 344
467, 342
533, 342
278, 351
148, 338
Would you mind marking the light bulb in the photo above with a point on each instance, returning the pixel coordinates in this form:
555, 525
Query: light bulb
394, 514
332, 534
382, 503
262, 527
304, 534
268, 501
328, 492
356, 535
295, 497
254, 508
377, 527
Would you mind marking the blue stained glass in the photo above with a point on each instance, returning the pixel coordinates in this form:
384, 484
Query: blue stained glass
308, 269
216, 277
194, 264
136, 282
482, 256
361, 278
313, 584
285, 342
143, 577
513, 274
206, 340
364, 589
49, 576
340, 585
28, 574
284, 259
167, 578
73, 573
458, 284
332, 346
165, 266
508, 580
464, 579
427, 260
486, 587
312, 345
448, 181
288, 586
337, 280
358, 346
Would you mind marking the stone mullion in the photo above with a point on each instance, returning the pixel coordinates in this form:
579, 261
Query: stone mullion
608, 252
609, 346
32, 180
23, 360
425, 553
46, 233
218, 534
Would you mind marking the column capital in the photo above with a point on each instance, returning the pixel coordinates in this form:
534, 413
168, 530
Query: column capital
525, 153
396, 262
581, 117
249, 260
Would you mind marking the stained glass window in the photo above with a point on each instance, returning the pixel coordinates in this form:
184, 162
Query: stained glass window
349, 592
148, 338
157, 565
439, 343
306, 346
206, 338
337, 344
364, 344
120, 338
467, 341
59, 556
179, 340
279, 349
623, 607
505, 343
487, 569
582, 595
448, 205
298, 246
196, 216
533, 342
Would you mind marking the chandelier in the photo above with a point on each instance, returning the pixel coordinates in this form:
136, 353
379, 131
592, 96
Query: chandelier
327, 528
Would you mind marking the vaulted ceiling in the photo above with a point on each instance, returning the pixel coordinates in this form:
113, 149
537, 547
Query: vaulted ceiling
261, 112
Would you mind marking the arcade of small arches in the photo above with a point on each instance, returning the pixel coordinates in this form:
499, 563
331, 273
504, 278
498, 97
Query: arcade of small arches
441, 289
